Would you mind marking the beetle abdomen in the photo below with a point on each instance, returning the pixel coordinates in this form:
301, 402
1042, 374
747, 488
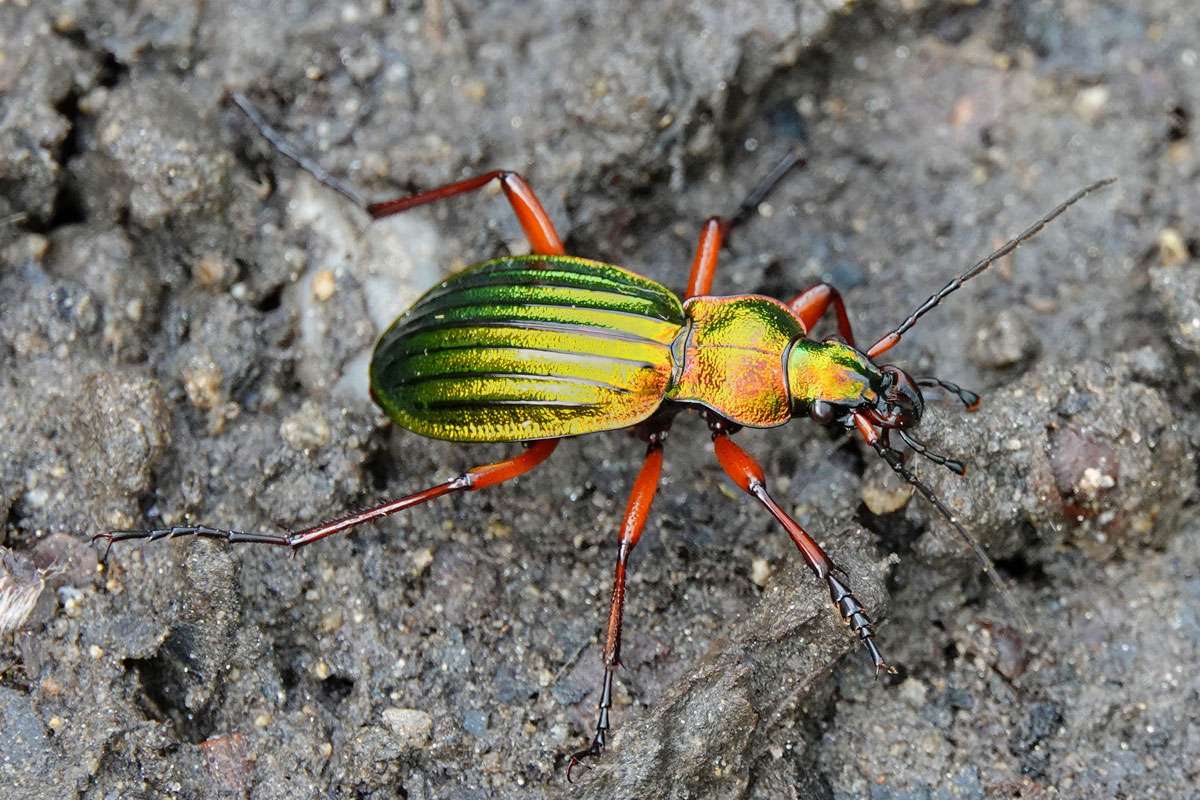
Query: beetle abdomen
528, 347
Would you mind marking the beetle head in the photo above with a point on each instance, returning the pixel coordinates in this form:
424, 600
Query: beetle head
899, 402
835, 381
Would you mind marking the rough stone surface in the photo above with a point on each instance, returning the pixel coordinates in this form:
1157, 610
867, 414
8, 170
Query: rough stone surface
187, 318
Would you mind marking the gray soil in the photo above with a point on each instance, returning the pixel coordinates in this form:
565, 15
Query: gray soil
186, 318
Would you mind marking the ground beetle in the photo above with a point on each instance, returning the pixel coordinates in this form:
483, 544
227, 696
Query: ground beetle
534, 348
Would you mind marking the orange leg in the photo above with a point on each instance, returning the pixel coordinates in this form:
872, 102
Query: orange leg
636, 512
747, 474
533, 218
715, 230
704, 265
811, 304
472, 479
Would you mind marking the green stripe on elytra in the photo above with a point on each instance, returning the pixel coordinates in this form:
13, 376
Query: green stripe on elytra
414, 380
549, 278
503, 316
396, 354
567, 297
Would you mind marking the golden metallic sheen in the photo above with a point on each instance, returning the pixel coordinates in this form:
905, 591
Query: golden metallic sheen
528, 347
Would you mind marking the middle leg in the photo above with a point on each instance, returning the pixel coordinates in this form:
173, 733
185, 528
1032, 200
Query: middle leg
636, 512
715, 230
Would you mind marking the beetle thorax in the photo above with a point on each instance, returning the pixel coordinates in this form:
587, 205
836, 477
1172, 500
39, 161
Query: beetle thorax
829, 372
730, 358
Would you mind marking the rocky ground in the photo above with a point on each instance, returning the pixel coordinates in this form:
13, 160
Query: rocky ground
185, 320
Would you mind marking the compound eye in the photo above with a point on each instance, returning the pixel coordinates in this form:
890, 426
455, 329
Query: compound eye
822, 412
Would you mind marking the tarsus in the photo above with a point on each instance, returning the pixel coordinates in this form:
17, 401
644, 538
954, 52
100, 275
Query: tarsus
286, 148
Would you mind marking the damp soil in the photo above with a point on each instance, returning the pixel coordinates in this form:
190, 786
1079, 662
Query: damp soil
186, 319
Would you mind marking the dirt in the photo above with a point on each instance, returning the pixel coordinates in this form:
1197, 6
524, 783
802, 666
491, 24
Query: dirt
187, 319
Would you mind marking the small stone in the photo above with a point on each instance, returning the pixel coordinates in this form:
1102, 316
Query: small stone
1172, 249
760, 572
331, 621
324, 284
96, 652
1006, 341
411, 726
211, 270
202, 381
306, 429
1093, 481
913, 692
1090, 102
474, 90
883, 491
36, 498
421, 559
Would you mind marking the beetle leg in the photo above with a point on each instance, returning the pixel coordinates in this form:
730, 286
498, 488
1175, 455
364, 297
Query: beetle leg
814, 301
716, 230
636, 511
704, 265
472, 479
290, 151
533, 218
747, 474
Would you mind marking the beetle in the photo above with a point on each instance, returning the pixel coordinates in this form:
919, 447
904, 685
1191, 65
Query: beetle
534, 348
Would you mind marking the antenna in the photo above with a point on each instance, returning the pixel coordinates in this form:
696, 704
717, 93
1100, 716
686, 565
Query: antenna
889, 340
893, 460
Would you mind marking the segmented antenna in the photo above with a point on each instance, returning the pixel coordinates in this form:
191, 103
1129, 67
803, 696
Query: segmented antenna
969, 399
952, 464
1006, 593
889, 340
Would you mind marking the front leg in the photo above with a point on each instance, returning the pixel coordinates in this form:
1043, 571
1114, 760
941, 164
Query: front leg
748, 475
811, 304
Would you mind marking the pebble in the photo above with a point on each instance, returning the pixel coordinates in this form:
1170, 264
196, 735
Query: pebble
883, 491
411, 726
913, 692
306, 429
323, 285
760, 572
1172, 249
1007, 340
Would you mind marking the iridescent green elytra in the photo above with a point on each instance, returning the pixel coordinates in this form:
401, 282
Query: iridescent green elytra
535, 347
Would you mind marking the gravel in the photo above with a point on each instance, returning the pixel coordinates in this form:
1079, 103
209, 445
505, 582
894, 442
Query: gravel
187, 320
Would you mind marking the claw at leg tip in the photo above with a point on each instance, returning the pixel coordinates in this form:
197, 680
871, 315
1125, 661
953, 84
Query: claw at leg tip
882, 666
577, 759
